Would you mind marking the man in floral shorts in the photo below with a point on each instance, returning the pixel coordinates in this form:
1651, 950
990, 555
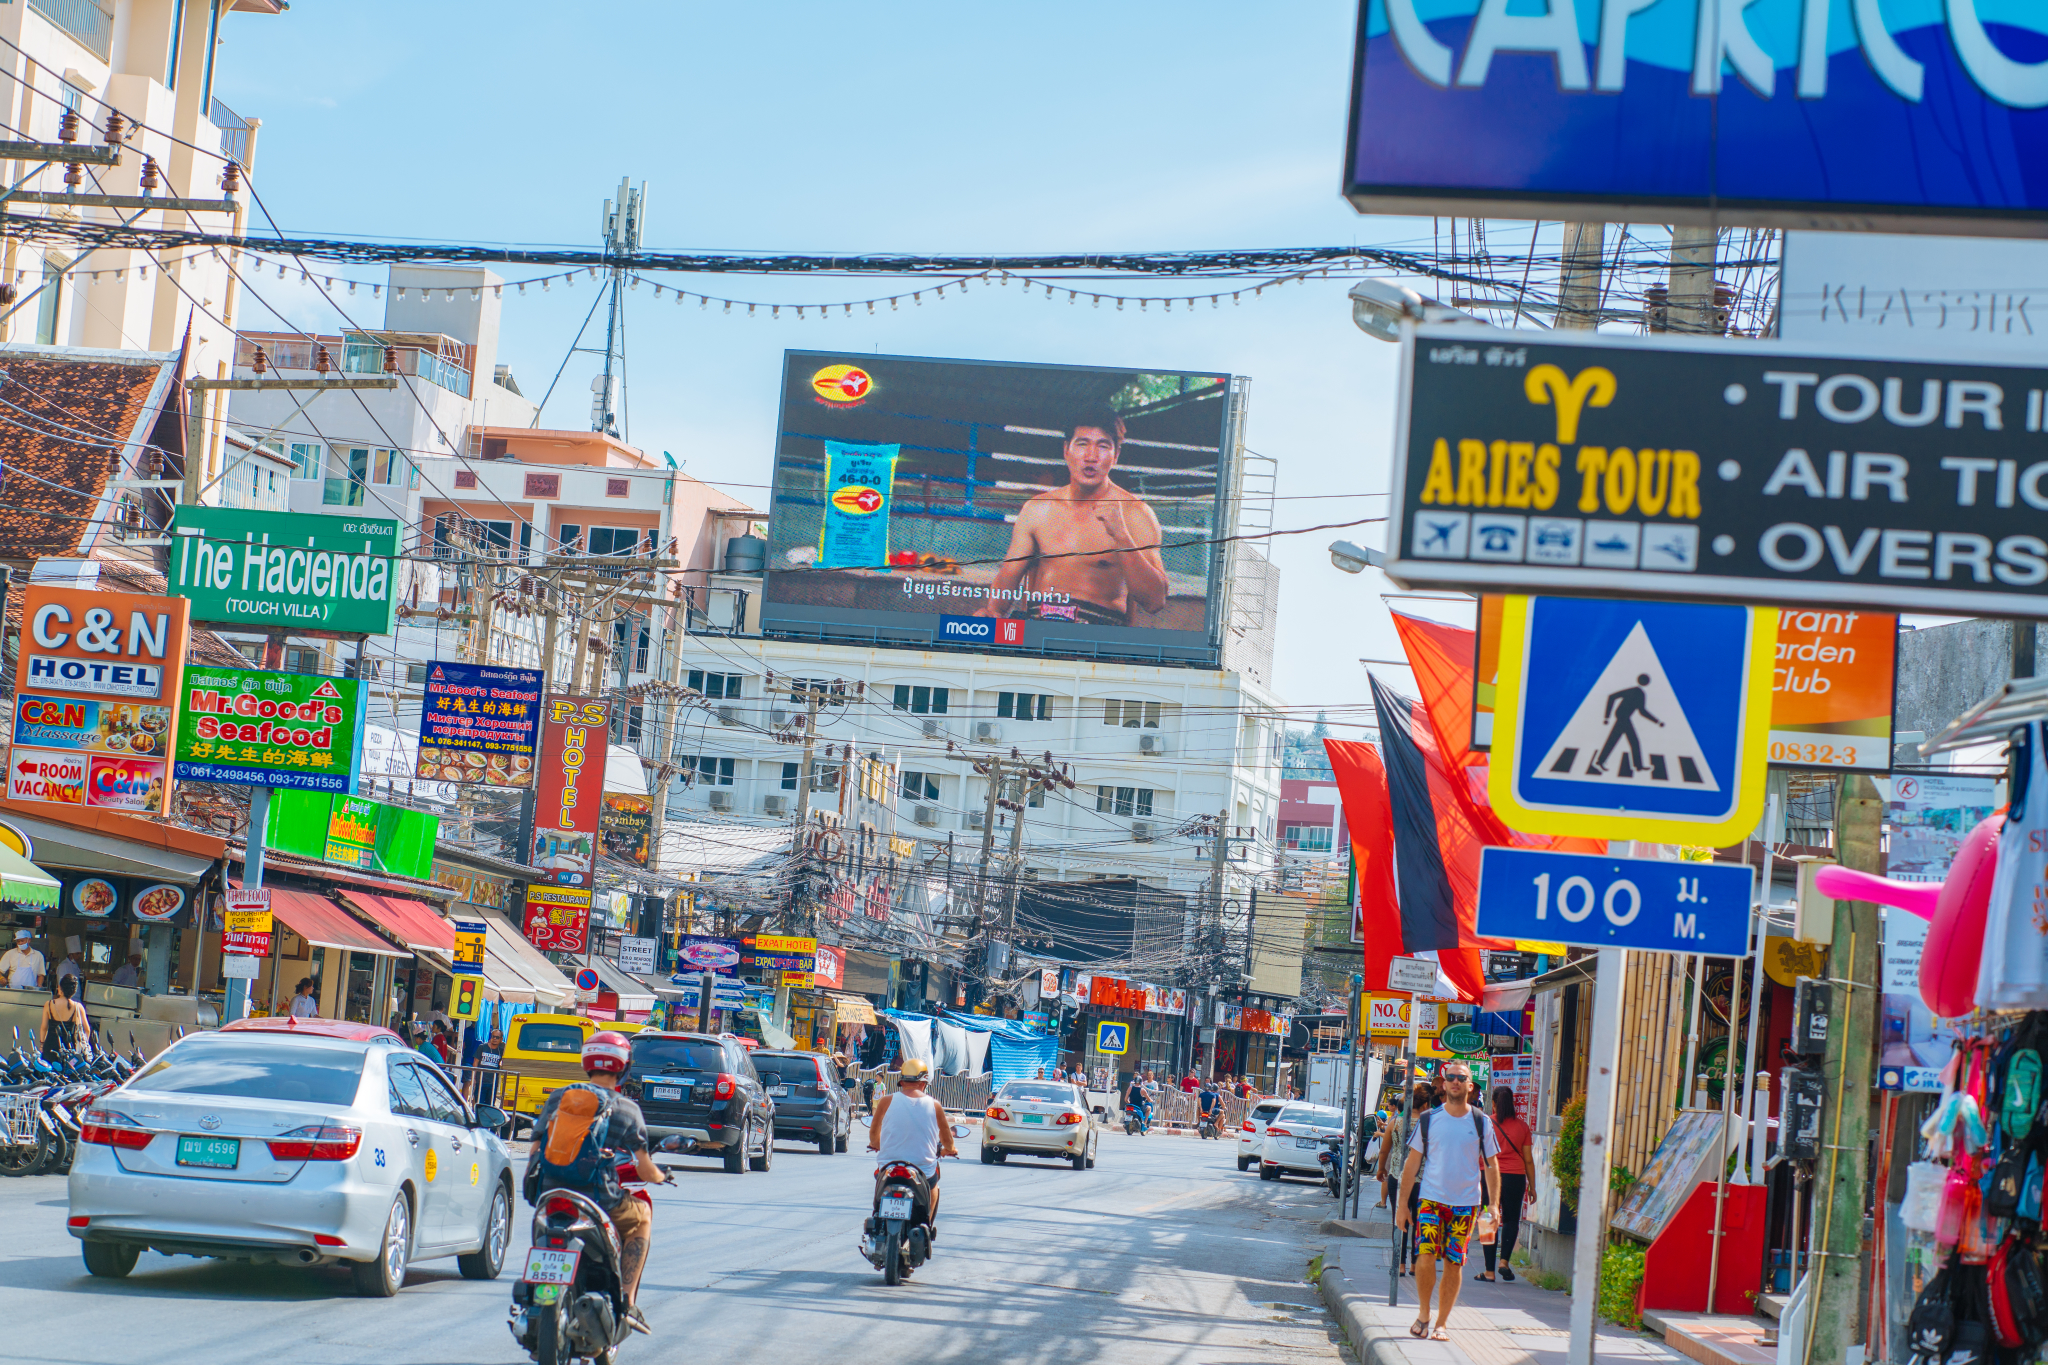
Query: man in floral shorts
1452, 1151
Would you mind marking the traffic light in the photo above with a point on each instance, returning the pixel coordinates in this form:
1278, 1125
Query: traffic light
469, 994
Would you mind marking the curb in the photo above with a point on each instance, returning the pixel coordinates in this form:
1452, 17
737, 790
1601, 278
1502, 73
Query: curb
1369, 1340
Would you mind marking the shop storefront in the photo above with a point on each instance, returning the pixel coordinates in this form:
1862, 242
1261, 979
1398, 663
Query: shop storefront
1155, 1035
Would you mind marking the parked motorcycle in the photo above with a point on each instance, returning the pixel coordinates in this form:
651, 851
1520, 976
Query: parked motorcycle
1333, 1159
570, 1303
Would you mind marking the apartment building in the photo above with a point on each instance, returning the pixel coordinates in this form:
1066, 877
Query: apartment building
66, 67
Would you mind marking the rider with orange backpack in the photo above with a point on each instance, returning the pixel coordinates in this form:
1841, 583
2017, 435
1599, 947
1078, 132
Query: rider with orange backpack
571, 1137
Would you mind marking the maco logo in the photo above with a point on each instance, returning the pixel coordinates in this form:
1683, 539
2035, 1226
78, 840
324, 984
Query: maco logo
970, 630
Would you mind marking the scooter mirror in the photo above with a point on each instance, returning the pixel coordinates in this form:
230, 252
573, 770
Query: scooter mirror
960, 1130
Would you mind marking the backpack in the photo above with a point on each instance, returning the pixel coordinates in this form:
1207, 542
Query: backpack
571, 1154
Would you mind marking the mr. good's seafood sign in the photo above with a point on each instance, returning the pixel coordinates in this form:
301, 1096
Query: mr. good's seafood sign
97, 683
298, 731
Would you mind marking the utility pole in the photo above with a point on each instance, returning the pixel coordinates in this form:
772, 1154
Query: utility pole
800, 823
622, 226
1834, 1322
1578, 287
993, 770
1219, 856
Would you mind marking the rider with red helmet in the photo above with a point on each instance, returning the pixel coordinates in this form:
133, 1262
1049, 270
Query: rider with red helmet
605, 1059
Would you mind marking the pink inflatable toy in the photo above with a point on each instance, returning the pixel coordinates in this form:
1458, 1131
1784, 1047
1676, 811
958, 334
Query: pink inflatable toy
1955, 912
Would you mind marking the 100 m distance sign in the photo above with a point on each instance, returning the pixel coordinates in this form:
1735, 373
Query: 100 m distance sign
299, 731
1726, 470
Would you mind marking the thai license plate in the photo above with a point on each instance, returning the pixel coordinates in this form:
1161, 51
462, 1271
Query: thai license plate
220, 1154
1033, 1118
896, 1206
665, 1092
1307, 1142
780, 1092
545, 1266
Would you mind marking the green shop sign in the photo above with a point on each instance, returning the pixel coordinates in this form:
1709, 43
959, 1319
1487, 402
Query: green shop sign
288, 569
353, 831
1462, 1039
298, 731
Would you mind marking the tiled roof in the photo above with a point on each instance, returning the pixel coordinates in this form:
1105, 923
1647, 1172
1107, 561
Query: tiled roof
70, 419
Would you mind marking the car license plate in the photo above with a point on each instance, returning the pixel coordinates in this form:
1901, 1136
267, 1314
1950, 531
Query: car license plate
896, 1206
780, 1092
220, 1154
545, 1266
665, 1092
1307, 1142
1033, 1118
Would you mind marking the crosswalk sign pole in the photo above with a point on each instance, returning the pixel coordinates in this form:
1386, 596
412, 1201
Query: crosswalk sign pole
1596, 1151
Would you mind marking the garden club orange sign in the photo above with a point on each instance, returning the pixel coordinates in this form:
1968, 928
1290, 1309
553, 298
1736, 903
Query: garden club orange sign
842, 385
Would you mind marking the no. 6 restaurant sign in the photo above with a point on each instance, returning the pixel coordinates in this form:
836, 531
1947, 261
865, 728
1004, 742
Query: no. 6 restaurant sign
95, 691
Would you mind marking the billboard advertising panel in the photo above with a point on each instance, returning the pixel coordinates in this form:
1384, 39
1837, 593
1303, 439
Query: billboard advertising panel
1744, 471
1050, 509
1777, 115
570, 797
295, 569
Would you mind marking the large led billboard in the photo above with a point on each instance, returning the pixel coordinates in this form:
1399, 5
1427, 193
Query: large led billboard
1048, 509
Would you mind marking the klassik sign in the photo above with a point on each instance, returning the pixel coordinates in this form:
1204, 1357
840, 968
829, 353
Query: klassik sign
1781, 115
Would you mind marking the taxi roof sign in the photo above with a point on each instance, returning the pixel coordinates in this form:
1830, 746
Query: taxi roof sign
1632, 720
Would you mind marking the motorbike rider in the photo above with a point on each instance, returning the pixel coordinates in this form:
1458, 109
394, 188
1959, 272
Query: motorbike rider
910, 1128
605, 1058
1211, 1102
1136, 1097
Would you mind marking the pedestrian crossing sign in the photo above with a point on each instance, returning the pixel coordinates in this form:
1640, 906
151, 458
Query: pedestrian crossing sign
1632, 720
1112, 1040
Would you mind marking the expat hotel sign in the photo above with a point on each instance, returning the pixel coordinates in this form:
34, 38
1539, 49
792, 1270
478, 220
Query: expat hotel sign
285, 568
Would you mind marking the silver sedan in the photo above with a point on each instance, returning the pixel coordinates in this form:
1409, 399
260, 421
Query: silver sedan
1039, 1118
301, 1142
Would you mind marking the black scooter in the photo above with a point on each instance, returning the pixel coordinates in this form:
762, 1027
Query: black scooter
897, 1237
570, 1304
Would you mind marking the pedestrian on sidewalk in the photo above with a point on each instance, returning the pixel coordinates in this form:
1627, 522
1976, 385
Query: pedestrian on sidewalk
1515, 1188
1452, 1170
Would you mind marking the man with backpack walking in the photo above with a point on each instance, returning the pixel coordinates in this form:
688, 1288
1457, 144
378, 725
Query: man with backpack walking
1452, 1153
577, 1130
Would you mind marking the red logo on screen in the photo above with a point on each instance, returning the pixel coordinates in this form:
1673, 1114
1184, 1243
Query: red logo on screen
841, 384
1009, 632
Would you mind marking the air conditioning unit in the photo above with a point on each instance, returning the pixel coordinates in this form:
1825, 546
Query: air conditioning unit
775, 805
1151, 744
925, 815
977, 819
780, 715
1142, 831
934, 729
728, 715
987, 732
719, 800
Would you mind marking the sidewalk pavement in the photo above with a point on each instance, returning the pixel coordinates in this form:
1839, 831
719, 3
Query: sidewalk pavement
1493, 1324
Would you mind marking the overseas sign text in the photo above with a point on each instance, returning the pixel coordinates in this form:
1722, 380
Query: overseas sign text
1725, 469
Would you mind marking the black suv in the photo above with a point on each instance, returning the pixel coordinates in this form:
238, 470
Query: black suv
810, 1104
702, 1095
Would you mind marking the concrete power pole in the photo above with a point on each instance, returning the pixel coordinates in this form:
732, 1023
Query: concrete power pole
1219, 858
1834, 1318
800, 822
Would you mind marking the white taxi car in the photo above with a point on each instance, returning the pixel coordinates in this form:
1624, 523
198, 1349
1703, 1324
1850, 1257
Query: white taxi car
1039, 1118
296, 1141
1251, 1136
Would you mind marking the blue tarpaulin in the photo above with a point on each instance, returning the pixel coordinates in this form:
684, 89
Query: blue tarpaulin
1016, 1050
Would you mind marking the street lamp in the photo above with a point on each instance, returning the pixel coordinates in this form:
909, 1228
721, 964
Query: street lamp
1378, 306
1355, 558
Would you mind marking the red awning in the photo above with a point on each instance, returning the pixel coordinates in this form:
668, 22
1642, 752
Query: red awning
324, 924
411, 923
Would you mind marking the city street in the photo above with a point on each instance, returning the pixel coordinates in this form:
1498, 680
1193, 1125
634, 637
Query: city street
1164, 1252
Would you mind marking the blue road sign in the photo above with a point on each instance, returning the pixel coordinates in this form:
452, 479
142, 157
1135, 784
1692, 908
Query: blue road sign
1645, 720
1594, 902
1113, 1039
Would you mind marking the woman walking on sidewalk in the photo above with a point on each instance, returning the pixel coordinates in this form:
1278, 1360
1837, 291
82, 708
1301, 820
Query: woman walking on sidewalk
1515, 1189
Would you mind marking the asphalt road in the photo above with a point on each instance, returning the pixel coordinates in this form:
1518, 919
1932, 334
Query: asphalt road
1162, 1253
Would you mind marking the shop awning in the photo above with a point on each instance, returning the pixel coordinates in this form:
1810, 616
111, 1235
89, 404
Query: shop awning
551, 988
411, 923
1577, 973
324, 924
500, 981
850, 1009
85, 850
23, 882
632, 992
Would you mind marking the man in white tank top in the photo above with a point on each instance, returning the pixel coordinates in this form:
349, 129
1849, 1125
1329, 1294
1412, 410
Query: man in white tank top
910, 1127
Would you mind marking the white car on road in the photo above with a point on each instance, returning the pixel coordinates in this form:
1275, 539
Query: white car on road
1294, 1140
296, 1141
1251, 1137
1039, 1118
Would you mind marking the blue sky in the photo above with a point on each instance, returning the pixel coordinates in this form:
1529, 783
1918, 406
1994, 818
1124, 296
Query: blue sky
881, 127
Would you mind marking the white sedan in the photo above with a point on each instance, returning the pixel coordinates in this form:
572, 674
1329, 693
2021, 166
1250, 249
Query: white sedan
1251, 1138
1294, 1140
295, 1141
1039, 1118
